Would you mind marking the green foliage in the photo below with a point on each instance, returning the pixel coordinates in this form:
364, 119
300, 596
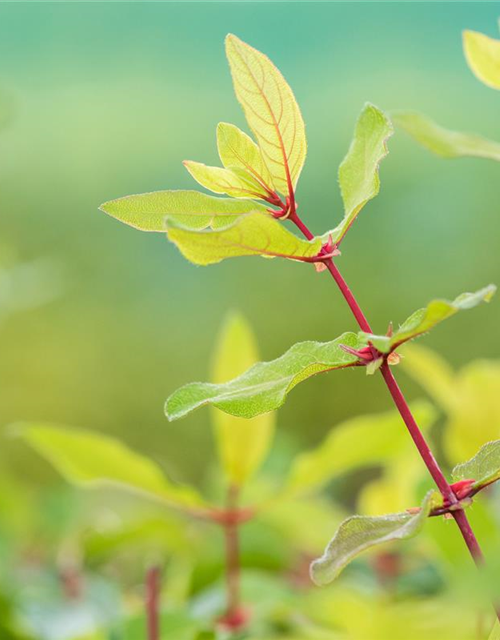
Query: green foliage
444, 142
242, 444
234, 182
483, 56
254, 235
265, 386
358, 174
91, 459
359, 533
428, 317
484, 467
191, 209
271, 112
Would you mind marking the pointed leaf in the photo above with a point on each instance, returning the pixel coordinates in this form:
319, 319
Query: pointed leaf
358, 173
192, 209
265, 386
444, 142
236, 184
242, 444
93, 460
237, 150
271, 111
484, 467
425, 319
483, 57
362, 441
254, 235
359, 533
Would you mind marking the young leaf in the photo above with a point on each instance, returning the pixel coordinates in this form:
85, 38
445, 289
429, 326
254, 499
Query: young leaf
359, 533
265, 386
425, 319
358, 173
242, 444
362, 441
254, 235
271, 111
484, 467
192, 209
237, 183
483, 57
444, 142
92, 459
237, 150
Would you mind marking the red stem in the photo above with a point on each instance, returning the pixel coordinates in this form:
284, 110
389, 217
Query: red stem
403, 408
232, 558
153, 603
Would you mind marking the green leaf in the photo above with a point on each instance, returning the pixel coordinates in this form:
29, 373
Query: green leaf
236, 183
242, 444
253, 235
271, 111
358, 173
92, 460
192, 209
359, 533
362, 441
483, 57
237, 150
484, 467
444, 142
428, 317
265, 386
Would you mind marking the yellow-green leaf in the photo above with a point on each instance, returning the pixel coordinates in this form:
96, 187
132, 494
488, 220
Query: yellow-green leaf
238, 150
483, 56
192, 209
236, 184
242, 444
484, 467
93, 460
444, 142
254, 235
358, 173
271, 111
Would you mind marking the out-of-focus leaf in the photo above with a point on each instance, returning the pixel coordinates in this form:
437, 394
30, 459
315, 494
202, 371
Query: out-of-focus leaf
428, 317
483, 56
265, 386
271, 111
242, 444
237, 150
191, 209
444, 142
235, 183
361, 441
91, 459
254, 235
359, 171
174, 625
432, 372
359, 533
484, 467
495, 632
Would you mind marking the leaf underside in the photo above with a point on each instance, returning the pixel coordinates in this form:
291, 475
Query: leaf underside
428, 317
483, 56
265, 386
484, 467
360, 533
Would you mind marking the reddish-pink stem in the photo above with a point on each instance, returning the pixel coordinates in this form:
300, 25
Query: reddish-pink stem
403, 408
153, 603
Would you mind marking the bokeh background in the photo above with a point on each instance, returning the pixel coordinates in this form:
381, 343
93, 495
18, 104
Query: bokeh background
101, 100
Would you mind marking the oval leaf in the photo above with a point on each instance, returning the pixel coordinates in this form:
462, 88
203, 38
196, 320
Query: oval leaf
271, 111
265, 386
192, 209
358, 173
484, 467
93, 460
254, 235
237, 184
444, 142
428, 317
359, 533
242, 444
483, 57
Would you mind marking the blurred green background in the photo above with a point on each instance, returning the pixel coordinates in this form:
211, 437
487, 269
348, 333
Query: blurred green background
103, 100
